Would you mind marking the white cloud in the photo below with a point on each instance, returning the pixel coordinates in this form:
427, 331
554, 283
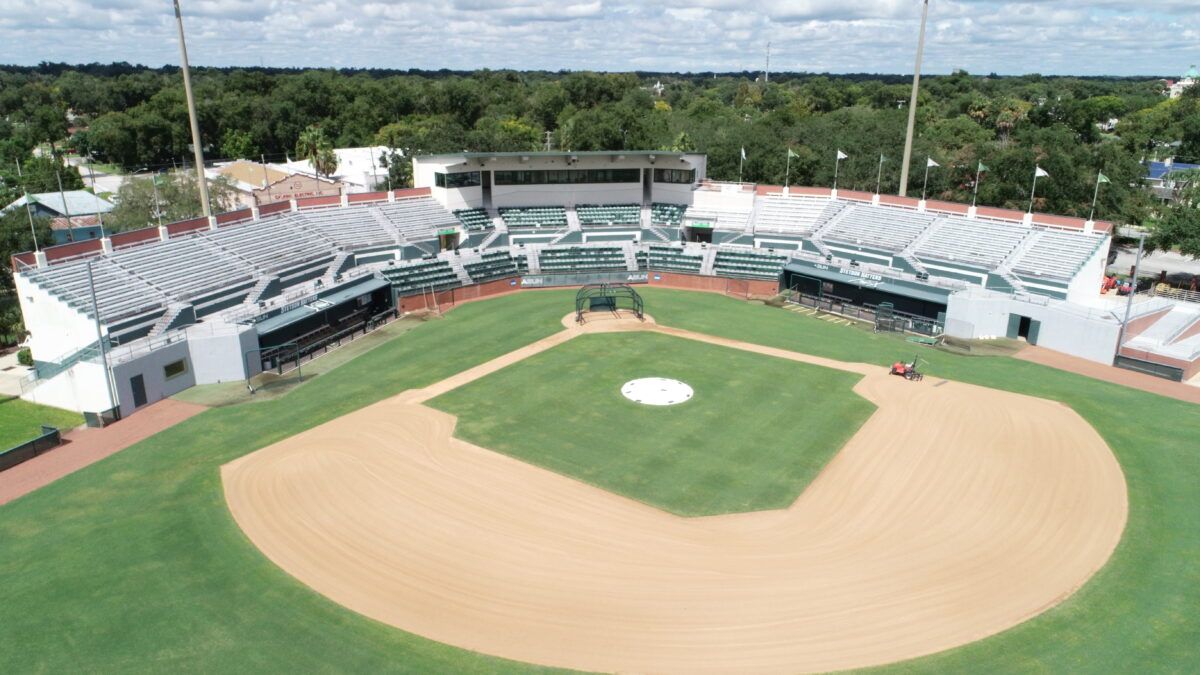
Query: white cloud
1087, 37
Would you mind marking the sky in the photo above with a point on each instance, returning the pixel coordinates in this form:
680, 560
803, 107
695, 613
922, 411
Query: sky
1079, 37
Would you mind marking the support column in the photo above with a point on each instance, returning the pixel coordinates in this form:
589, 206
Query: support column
345, 200
254, 213
39, 259
1027, 218
972, 211
833, 193
163, 234
1089, 226
106, 245
921, 206
391, 196
295, 206
212, 222
874, 200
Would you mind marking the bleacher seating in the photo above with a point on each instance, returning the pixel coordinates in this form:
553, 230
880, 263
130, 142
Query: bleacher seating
1056, 254
185, 268
118, 293
535, 217
981, 243
475, 220
417, 217
670, 215
351, 228
880, 227
423, 275
724, 219
271, 244
675, 259
492, 265
794, 215
749, 264
603, 216
581, 258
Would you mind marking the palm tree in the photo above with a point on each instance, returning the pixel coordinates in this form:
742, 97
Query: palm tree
316, 148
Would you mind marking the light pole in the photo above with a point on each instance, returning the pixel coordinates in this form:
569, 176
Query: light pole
197, 149
1129, 299
912, 103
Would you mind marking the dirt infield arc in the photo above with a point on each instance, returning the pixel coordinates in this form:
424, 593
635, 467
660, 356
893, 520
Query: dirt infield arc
954, 513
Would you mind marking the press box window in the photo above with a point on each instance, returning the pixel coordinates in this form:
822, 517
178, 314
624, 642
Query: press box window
175, 369
456, 180
685, 176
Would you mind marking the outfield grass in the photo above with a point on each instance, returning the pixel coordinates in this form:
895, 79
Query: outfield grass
21, 421
134, 564
756, 432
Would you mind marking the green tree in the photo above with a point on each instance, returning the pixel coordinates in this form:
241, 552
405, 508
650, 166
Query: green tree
236, 144
16, 236
178, 198
318, 150
1178, 226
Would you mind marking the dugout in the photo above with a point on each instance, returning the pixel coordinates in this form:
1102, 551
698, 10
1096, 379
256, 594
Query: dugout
850, 285
330, 314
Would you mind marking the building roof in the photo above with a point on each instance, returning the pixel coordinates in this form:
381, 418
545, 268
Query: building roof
357, 166
1157, 170
76, 221
79, 203
251, 173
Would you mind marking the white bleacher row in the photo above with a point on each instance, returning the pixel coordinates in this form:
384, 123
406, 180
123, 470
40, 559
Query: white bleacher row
350, 228
271, 244
1056, 254
418, 217
983, 243
794, 215
878, 226
723, 219
209, 268
118, 293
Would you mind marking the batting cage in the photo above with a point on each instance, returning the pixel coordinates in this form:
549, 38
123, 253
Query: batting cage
607, 298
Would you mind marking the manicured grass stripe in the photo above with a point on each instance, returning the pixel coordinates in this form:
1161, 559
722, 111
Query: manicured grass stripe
21, 421
757, 431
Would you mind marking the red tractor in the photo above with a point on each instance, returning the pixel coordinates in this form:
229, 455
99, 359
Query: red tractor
907, 370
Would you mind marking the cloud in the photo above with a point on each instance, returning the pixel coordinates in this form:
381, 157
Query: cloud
1085, 37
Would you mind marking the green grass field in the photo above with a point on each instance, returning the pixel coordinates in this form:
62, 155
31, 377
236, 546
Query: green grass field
21, 421
757, 431
134, 564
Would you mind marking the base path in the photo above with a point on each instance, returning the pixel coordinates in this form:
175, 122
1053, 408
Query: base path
954, 513
82, 447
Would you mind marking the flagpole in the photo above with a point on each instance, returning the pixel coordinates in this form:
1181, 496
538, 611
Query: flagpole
975, 192
1095, 196
741, 161
1033, 191
879, 176
836, 163
787, 174
29, 213
926, 183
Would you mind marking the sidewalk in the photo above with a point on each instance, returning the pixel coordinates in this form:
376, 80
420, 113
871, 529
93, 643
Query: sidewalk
83, 447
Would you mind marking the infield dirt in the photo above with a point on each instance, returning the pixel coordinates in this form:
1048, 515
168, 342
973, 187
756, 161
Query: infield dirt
954, 513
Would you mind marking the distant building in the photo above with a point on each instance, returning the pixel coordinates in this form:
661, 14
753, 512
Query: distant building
358, 169
1189, 80
74, 219
258, 184
1164, 178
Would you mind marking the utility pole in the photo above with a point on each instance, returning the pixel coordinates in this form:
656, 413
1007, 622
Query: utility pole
108, 385
767, 72
197, 149
1129, 299
912, 103
549, 141
63, 196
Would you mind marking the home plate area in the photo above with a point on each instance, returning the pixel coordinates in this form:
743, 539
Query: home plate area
656, 391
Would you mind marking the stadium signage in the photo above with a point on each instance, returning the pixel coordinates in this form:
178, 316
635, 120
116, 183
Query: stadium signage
851, 272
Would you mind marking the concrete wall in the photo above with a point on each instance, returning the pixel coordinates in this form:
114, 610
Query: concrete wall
56, 330
220, 357
1089, 334
1086, 285
741, 288
80, 388
150, 366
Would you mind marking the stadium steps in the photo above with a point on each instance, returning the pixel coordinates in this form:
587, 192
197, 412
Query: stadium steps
818, 232
631, 261
177, 314
647, 218
560, 235
573, 223
492, 237
1168, 329
267, 287
387, 225
709, 261
534, 264
456, 264
1012, 279
911, 259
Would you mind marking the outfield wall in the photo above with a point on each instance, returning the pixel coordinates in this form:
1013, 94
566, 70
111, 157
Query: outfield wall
742, 288
456, 296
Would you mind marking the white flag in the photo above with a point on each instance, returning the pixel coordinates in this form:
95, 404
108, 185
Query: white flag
1039, 172
743, 154
841, 155
930, 163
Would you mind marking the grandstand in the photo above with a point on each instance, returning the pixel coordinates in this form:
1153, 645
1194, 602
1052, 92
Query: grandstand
534, 217
608, 216
475, 220
794, 215
228, 274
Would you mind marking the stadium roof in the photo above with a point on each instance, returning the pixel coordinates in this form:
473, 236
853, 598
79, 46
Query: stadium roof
333, 299
80, 202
